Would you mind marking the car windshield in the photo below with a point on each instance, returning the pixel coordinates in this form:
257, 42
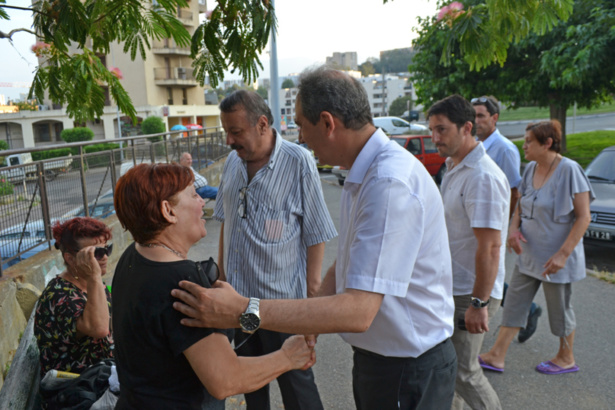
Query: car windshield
603, 167
400, 141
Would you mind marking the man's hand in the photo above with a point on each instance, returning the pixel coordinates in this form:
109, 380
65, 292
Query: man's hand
299, 354
477, 320
218, 307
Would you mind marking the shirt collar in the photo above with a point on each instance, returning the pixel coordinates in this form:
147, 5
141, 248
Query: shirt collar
469, 160
361, 164
491, 139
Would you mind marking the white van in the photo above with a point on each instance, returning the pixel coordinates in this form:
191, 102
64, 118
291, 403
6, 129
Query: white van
397, 126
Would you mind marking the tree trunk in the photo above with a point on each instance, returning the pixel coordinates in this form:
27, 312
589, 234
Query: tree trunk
559, 113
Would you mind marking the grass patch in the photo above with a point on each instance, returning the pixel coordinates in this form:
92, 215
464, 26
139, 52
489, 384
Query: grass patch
583, 146
535, 113
604, 275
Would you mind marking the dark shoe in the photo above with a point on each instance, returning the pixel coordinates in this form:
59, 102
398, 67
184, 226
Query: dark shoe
532, 323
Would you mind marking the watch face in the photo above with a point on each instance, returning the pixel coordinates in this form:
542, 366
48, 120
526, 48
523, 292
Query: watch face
476, 303
250, 322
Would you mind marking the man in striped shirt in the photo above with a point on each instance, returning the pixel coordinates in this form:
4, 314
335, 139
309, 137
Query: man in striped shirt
274, 227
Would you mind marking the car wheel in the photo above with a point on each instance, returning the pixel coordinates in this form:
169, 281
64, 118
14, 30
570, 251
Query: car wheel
50, 175
440, 174
340, 181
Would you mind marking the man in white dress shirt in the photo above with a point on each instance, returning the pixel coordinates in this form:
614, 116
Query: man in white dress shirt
476, 202
389, 293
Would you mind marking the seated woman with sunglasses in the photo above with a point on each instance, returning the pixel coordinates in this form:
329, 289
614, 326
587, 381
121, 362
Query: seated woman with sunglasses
73, 314
161, 363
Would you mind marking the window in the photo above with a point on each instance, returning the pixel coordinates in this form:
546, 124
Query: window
430, 147
414, 146
169, 96
184, 96
42, 133
399, 123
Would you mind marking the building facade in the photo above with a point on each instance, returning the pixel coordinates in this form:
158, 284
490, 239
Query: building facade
163, 85
383, 90
347, 60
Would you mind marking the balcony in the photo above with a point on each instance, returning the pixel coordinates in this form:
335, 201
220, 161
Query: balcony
174, 77
185, 16
169, 47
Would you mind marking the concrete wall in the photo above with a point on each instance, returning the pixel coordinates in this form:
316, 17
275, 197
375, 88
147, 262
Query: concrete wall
22, 284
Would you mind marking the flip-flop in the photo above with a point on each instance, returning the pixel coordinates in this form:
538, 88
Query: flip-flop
487, 366
549, 367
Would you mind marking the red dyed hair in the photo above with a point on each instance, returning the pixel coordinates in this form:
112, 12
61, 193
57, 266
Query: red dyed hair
68, 233
544, 130
139, 194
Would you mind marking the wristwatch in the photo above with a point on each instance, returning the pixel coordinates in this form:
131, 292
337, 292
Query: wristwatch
250, 320
477, 303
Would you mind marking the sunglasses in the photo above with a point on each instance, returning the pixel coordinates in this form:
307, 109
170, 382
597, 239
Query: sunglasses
242, 210
208, 269
491, 106
101, 252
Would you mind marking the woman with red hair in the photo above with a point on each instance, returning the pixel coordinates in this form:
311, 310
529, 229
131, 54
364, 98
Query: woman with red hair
73, 314
160, 362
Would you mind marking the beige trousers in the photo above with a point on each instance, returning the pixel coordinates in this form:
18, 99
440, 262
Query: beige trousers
471, 386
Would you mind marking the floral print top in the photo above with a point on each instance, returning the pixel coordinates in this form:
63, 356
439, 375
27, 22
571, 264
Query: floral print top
55, 328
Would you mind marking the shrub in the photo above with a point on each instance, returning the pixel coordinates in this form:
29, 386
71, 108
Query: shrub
153, 125
77, 134
101, 160
6, 188
4, 145
52, 153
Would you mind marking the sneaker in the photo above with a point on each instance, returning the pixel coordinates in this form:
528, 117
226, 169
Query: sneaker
532, 324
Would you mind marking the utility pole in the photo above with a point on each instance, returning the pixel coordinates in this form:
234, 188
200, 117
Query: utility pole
273, 73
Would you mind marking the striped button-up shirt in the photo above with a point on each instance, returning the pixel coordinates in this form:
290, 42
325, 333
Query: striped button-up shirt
265, 253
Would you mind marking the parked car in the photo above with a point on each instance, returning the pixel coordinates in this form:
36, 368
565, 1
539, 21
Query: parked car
397, 126
422, 147
291, 125
18, 238
410, 116
601, 174
341, 173
29, 172
98, 209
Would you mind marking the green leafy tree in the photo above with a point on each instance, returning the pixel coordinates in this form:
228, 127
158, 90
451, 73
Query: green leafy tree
482, 32
4, 145
26, 105
397, 60
367, 68
77, 134
234, 34
574, 62
400, 105
153, 125
288, 83
263, 92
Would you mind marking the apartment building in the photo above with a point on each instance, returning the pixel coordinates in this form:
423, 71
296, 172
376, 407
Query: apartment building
382, 91
163, 85
346, 60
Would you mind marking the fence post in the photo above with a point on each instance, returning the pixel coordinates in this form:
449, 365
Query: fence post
44, 202
113, 173
84, 190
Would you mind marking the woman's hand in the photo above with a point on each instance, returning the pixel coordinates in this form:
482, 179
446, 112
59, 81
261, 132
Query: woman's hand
555, 263
514, 241
299, 354
86, 265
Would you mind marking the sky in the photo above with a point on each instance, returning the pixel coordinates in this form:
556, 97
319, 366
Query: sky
308, 32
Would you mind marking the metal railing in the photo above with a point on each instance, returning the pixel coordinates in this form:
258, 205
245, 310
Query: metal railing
82, 184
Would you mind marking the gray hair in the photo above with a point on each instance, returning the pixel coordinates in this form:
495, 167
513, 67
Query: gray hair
333, 91
250, 101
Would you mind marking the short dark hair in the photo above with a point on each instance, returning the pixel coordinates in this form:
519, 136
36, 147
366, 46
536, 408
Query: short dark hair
544, 130
490, 103
333, 91
250, 101
456, 108
67, 233
139, 194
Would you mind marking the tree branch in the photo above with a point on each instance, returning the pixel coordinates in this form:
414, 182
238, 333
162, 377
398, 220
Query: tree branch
10, 34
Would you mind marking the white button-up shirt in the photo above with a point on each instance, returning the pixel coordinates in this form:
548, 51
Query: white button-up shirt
393, 241
476, 195
506, 156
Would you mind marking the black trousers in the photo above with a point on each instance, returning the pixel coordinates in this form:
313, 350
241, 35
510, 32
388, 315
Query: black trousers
425, 382
298, 388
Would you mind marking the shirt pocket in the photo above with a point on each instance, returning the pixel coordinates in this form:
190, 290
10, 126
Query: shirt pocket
272, 224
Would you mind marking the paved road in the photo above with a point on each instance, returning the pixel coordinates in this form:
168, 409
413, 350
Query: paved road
581, 123
520, 387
